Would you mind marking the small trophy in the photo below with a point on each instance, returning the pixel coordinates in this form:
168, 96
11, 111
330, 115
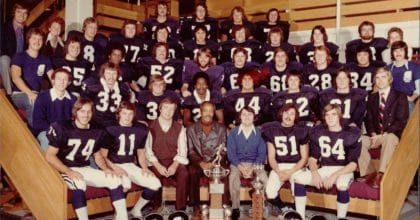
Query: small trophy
257, 195
216, 187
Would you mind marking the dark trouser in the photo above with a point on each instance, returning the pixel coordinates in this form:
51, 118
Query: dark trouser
181, 178
195, 174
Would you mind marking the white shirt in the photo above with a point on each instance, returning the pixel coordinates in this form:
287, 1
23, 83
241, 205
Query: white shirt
54, 95
198, 99
247, 133
385, 92
182, 151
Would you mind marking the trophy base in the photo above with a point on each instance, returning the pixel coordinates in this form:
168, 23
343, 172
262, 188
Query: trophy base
216, 188
216, 214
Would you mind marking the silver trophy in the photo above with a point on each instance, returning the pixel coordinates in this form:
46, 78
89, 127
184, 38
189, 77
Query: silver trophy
216, 187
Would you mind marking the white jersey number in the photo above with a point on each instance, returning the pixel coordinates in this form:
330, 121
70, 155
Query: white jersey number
281, 145
86, 151
327, 150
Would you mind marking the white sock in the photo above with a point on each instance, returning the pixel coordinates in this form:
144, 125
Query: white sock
136, 211
342, 209
120, 209
300, 203
82, 213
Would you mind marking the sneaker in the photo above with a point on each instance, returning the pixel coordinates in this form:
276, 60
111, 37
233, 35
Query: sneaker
289, 214
135, 215
235, 214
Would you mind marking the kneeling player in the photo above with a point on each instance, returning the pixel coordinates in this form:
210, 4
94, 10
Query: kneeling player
126, 138
70, 146
287, 144
337, 149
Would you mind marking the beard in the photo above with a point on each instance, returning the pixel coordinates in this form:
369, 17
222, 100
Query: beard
366, 37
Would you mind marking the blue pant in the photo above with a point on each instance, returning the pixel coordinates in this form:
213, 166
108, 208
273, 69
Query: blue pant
43, 140
5, 73
21, 101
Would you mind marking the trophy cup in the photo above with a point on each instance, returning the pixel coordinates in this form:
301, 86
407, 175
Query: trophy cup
216, 187
257, 195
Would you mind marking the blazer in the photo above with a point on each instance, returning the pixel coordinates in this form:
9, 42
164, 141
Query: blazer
8, 44
395, 116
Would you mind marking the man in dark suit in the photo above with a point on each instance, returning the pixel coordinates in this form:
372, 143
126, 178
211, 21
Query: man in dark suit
386, 117
13, 41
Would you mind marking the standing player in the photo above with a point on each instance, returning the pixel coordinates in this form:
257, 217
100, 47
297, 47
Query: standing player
93, 44
376, 44
237, 17
191, 106
80, 68
362, 71
275, 40
319, 37
161, 35
199, 40
54, 45
288, 151
161, 64
272, 20
203, 62
27, 72
320, 73
351, 100
304, 97
148, 100
134, 46
336, 148
278, 68
71, 145
161, 18
200, 17
247, 95
241, 38
394, 34
107, 93
126, 141
232, 70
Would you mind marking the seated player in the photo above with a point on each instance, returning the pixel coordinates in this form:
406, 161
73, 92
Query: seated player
275, 40
80, 68
335, 148
249, 94
376, 44
93, 44
237, 17
53, 105
126, 141
134, 46
319, 37
54, 45
272, 20
304, 97
167, 150
405, 73
203, 62
148, 100
246, 151
191, 105
394, 34
319, 74
351, 100
161, 64
288, 151
386, 118
199, 40
162, 36
13, 41
71, 145
200, 17
241, 39
278, 68
27, 71
362, 71
107, 93
206, 140
232, 70
162, 12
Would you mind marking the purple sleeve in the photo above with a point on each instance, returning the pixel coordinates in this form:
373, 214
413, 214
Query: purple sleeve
17, 60
354, 150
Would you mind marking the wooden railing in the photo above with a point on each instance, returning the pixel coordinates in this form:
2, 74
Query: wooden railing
38, 10
40, 186
304, 14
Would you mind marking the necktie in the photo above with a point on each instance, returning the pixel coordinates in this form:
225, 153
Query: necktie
19, 40
382, 102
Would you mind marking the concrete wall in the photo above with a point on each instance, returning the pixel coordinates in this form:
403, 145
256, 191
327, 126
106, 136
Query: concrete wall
75, 12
